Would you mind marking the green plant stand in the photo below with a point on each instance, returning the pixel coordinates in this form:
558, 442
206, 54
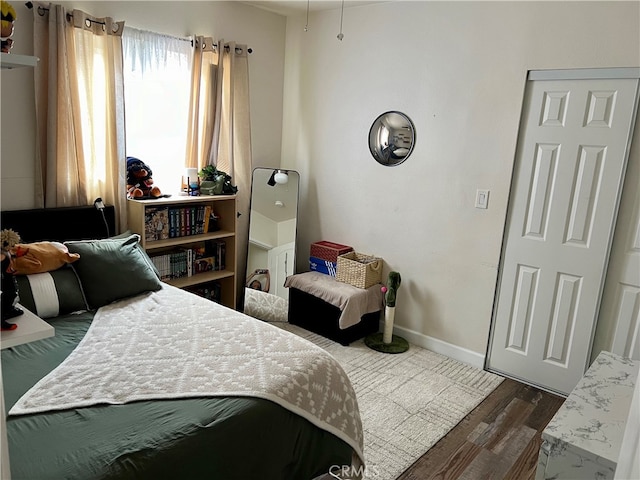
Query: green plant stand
397, 344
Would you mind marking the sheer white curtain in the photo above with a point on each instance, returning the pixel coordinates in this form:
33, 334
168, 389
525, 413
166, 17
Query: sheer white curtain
79, 109
157, 73
220, 124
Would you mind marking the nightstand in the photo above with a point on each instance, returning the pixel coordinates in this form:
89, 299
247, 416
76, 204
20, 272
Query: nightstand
30, 328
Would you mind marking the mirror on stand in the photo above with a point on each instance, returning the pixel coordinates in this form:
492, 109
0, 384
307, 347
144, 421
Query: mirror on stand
272, 242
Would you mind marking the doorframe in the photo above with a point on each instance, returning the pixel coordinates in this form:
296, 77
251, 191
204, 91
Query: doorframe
560, 74
585, 74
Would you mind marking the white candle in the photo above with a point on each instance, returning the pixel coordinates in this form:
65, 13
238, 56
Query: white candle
192, 173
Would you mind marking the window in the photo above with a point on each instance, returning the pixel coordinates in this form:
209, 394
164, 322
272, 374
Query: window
157, 78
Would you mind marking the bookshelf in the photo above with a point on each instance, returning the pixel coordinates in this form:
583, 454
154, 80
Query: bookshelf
176, 224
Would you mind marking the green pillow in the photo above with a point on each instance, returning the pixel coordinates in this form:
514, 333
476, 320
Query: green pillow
112, 269
126, 234
52, 293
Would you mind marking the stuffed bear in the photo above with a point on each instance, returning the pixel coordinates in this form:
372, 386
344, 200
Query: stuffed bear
139, 180
8, 239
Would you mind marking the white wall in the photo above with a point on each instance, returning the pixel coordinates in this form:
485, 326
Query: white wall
263, 31
287, 231
263, 229
458, 69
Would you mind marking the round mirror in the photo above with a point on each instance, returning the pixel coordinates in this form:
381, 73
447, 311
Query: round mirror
391, 138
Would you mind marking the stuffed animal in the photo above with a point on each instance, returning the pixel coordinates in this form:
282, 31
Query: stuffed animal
39, 257
9, 296
8, 17
139, 180
8, 239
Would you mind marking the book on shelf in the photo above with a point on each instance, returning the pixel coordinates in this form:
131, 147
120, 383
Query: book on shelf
156, 223
205, 257
206, 217
171, 265
206, 264
215, 249
222, 253
191, 220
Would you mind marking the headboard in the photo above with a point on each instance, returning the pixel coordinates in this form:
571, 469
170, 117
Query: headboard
60, 224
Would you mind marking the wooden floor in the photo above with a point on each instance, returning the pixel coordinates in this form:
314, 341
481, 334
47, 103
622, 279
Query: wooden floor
498, 440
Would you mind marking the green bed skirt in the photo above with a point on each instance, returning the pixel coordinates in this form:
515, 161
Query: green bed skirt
214, 438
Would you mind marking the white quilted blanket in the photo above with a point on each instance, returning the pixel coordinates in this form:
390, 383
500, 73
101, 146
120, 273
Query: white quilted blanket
172, 344
265, 306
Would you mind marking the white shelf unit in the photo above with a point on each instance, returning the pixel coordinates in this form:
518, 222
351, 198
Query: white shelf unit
30, 328
12, 60
224, 206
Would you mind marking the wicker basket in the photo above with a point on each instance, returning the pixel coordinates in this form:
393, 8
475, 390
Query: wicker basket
359, 270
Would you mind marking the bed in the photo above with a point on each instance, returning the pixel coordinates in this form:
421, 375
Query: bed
143, 380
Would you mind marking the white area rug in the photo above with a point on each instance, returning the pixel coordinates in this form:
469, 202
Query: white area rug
407, 401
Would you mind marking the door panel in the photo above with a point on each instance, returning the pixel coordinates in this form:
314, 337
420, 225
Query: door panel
281, 265
568, 176
621, 297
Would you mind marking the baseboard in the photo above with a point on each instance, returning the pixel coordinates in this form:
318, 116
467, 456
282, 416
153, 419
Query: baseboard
439, 346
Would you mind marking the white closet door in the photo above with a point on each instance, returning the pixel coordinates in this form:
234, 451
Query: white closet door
281, 266
570, 164
620, 310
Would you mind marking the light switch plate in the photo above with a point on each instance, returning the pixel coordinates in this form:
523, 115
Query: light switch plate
482, 198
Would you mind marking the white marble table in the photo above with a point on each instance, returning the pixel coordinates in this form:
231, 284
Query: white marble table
583, 439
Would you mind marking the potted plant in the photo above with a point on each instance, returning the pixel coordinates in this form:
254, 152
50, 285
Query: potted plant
215, 182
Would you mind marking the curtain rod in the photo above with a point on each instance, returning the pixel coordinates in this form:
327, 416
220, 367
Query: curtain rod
42, 9
238, 49
226, 47
29, 5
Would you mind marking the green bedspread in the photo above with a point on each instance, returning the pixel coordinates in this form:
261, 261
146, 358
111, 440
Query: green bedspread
215, 438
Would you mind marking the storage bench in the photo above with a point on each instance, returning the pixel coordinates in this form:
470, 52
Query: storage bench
336, 310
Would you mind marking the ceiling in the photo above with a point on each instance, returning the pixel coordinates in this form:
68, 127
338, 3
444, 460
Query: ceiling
293, 7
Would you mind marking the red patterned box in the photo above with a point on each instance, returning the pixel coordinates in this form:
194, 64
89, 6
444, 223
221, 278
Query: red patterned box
328, 250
